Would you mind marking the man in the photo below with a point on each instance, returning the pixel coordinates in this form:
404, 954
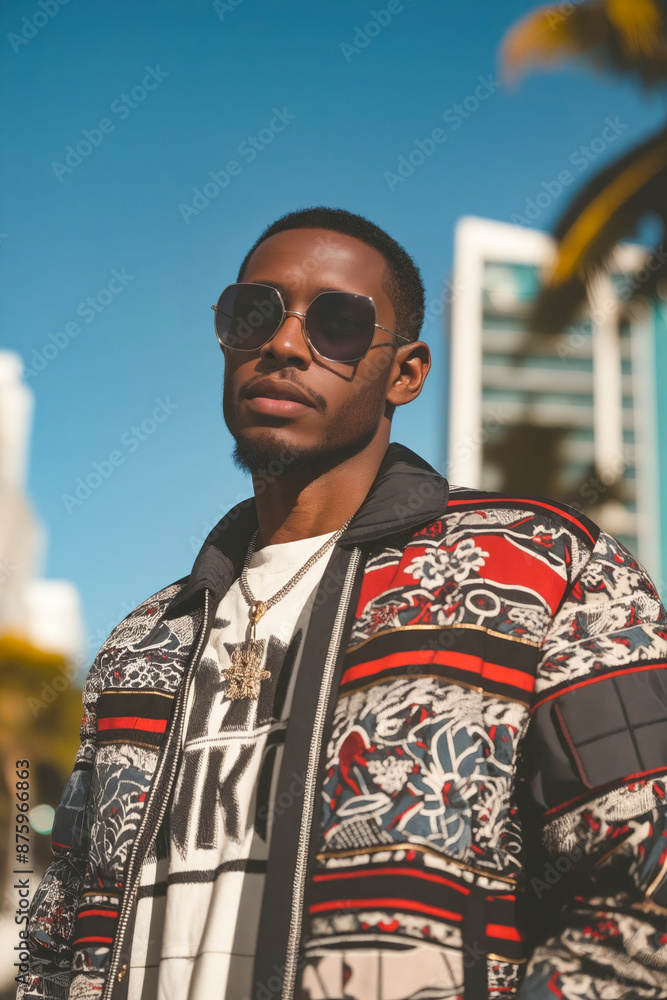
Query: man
388, 739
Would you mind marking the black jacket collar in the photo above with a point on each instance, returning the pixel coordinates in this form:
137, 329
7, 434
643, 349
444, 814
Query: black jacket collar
406, 493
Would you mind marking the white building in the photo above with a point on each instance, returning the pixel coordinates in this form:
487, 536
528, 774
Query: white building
571, 416
46, 613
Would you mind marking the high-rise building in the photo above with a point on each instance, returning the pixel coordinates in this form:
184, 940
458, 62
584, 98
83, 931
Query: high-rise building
581, 416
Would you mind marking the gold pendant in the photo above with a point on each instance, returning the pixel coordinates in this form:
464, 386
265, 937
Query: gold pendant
245, 674
257, 611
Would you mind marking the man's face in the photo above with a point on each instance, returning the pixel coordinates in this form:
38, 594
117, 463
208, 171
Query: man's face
341, 406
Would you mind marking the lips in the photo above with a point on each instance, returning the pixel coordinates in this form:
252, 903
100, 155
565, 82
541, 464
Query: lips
277, 398
280, 390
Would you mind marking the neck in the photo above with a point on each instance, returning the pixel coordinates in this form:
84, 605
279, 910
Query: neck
295, 507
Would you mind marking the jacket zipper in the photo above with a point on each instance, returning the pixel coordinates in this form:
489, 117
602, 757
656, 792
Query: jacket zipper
132, 880
296, 917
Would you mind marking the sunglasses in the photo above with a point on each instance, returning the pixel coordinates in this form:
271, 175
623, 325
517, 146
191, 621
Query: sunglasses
339, 326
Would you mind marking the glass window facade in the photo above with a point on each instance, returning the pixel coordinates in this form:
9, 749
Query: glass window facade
538, 406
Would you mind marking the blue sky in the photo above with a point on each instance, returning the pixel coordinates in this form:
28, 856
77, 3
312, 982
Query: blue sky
107, 267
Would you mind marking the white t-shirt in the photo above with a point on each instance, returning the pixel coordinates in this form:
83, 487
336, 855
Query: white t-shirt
196, 929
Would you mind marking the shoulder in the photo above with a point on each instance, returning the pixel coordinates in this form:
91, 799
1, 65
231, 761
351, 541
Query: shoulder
142, 619
483, 509
135, 630
515, 540
541, 521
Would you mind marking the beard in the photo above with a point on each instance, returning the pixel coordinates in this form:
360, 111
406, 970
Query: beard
269, 457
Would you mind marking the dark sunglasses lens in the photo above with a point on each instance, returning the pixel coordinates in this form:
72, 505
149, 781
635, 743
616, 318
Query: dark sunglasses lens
247, 316
341, 325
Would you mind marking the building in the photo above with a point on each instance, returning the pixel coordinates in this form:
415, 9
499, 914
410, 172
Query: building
580, 417
41, 646
45, 613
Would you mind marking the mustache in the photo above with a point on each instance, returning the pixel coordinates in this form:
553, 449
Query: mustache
286, 376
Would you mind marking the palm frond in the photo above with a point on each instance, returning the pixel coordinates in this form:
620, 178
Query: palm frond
608, 209
625, 36
638, 24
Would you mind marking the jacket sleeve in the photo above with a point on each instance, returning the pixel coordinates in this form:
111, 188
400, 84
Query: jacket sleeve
595, 763
53, 908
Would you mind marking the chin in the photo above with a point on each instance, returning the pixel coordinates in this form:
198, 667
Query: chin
275, 454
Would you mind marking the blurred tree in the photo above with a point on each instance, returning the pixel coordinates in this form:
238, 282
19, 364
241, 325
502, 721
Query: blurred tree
40, 711
507, 452
627, 37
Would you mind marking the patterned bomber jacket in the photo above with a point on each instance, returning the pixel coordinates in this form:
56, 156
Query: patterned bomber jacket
473, 785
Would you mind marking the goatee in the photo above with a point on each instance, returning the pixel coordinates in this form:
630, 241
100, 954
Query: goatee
270, 460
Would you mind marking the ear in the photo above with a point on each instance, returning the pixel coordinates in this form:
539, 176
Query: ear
409, 370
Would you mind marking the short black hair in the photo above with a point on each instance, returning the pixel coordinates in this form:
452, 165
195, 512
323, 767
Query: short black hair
402, 283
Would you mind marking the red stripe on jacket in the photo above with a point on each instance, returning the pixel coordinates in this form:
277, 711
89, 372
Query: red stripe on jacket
335, 876
506, 501
383, 904
448, 658
133, 722
504, 932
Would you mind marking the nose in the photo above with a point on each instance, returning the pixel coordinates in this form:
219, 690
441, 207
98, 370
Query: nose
289, 344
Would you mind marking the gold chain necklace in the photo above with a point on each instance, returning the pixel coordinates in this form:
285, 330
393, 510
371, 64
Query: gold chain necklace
245, 673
